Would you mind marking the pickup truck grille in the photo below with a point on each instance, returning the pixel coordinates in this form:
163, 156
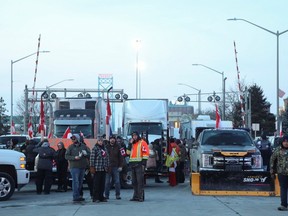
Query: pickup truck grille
232, 163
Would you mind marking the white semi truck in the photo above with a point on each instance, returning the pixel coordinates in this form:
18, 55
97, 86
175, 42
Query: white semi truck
149, 117
146, 116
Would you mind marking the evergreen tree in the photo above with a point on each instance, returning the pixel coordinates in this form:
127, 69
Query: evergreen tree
237, 115
4, 119
260, 110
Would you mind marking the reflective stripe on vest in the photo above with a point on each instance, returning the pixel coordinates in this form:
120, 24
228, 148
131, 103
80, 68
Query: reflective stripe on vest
139, 152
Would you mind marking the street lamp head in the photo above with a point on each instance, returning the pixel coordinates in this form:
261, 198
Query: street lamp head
232, 19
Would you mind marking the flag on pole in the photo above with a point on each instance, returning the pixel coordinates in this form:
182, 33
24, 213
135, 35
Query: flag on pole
108, 112
42, 118
30, 129
218, 119
281, 93
108, 116
67, 134
13, 131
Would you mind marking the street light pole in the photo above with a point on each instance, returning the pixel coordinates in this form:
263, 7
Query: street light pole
199, 95
12, 62
137, 69
223, 86
277, 64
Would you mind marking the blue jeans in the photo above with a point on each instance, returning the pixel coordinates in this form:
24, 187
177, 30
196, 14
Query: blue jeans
114, 176
77, 181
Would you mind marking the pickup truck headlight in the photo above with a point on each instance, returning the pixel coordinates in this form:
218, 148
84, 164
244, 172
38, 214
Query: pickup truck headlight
207, 160
22, 162
256, 161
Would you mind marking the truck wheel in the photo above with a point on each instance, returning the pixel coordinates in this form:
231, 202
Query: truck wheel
7, 186
126, 179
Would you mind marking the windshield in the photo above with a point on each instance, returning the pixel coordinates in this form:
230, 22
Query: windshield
85, 129
215, 137
150, 128
19, 140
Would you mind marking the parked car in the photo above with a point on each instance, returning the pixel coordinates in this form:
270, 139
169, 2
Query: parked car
5, 140
225, 150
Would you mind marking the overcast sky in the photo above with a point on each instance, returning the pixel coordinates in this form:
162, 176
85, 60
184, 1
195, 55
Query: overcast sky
91, 37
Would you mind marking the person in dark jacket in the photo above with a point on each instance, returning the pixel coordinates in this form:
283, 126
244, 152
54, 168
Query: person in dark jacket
279, 165
30, 155
62, 167
115, 166
264, 145
180, 175
44, 168
77, 154
99, 164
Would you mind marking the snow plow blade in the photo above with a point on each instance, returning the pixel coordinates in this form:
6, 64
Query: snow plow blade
246, 183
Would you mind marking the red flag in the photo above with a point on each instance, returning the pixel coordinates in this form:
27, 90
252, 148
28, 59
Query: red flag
30, 129
67, 133
108, 111
218, 119
281, 93
42, 117
12, 129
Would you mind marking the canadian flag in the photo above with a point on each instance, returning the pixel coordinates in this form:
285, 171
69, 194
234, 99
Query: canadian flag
218, 119
281, 93
67, 133
13, 131
30, 129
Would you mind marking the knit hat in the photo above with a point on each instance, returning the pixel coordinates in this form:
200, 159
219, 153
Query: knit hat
75, 136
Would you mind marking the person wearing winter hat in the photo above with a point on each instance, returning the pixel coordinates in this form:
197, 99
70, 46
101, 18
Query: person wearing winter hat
77, 154
138, 152
279, 166
115, 167
46, 155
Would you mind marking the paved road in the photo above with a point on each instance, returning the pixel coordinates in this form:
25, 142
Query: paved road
160, 199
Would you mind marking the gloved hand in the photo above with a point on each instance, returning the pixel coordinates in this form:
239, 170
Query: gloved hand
119, 169
84, 152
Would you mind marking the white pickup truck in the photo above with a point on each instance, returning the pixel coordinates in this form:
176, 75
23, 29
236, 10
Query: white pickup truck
12, 172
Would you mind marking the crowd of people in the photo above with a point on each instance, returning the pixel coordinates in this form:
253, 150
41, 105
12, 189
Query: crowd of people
101, 165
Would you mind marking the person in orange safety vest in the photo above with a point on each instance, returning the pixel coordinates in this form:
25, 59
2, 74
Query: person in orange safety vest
138, 152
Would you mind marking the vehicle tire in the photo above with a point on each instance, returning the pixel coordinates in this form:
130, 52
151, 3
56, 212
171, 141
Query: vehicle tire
126, 179
7, 186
